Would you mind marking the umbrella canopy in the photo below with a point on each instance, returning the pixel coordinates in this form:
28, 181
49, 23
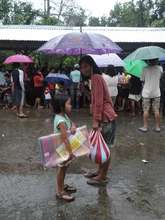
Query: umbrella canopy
135, 67
18, 58
162, 60
146, 53
107, 59
58, 78
77, 43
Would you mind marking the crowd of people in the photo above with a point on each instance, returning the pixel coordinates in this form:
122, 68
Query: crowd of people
26, 85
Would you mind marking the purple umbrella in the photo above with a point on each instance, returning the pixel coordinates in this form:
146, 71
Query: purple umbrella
80, 43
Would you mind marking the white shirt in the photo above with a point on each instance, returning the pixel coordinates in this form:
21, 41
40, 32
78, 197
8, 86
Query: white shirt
75, 76
151, 78
111, 83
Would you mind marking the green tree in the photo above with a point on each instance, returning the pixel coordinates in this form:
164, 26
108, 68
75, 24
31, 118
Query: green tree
48, 20
24, 13
5, 9
75, 17
123, 15
103, 21
94, 21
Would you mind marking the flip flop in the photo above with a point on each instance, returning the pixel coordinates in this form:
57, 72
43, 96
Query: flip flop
144, 130
91, 174
157, 130
22, 116
70, 189
65, 197
94, 182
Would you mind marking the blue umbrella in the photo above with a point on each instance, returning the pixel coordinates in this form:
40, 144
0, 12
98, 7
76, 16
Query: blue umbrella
58, 78
162, 60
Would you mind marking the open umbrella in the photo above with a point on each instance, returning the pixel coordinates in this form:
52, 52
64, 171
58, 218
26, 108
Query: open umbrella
77, 43
18, 58
58, 78
146, 53
162, 60
108, 59
135, 67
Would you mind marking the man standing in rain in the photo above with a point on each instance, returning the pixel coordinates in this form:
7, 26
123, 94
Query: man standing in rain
75, 76
18, 89
151, 93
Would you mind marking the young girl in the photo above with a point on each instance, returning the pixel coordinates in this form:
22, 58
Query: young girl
62, 123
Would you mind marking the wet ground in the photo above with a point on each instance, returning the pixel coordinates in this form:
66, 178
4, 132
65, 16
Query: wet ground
136, 190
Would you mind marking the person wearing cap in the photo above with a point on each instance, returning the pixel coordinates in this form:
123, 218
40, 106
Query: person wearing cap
75, 76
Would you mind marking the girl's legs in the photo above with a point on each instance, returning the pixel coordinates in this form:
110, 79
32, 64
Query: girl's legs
60, 179
61, 194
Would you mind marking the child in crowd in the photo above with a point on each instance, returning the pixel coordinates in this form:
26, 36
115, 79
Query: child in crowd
135, 89
47, 97
62, 109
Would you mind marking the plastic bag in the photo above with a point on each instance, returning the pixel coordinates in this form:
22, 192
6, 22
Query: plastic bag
99, 151
54, 151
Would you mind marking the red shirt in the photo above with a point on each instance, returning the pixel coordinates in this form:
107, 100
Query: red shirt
38, 80
102, 107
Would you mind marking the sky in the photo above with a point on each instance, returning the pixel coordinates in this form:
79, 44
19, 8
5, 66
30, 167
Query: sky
95, 7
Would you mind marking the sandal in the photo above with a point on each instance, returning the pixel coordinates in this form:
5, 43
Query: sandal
144, 130
65, 197
70, 189
91, 174
22, 116
95, 182
157, 130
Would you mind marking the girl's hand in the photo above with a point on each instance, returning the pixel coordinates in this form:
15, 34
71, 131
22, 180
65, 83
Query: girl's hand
71, 156
73, 129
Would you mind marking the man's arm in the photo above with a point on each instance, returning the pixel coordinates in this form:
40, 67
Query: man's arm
21, 79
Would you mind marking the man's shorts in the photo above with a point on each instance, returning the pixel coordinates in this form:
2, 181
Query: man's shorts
154, 103
19, 97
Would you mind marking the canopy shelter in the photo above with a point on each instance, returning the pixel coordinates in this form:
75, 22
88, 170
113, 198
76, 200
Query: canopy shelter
31, 37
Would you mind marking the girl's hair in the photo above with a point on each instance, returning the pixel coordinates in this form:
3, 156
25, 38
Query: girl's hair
89, 60
58, 103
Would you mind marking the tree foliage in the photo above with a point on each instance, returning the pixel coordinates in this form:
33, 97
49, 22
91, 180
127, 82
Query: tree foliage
23, 13
133, 13
140, 13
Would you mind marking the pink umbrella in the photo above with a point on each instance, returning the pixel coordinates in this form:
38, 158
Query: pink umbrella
18, 58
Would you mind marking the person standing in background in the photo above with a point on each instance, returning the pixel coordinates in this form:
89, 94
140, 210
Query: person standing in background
135, 89
75, 76
38, 88
111, 80
18, 89
151, 93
